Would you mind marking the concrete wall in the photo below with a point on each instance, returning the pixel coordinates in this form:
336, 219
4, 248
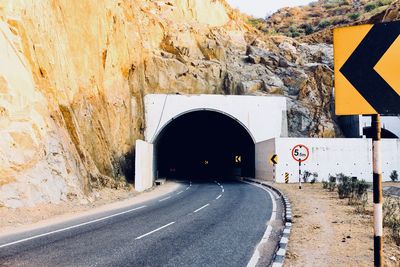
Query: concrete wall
144, 175
264, 151
351, 157
263, 117
390, 157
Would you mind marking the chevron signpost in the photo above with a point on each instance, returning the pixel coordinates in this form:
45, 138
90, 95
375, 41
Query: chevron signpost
367, 82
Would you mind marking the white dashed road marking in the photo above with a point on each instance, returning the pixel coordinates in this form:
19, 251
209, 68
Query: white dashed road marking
199, 209
161, 200
180, 192
218, 197
158, 229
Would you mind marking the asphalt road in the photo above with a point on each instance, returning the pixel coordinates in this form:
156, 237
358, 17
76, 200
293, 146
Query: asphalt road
200, 224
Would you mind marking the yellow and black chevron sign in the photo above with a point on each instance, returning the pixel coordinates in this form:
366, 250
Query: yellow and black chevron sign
367, 69
286, 177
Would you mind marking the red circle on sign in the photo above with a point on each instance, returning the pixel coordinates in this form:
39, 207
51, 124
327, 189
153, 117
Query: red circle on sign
307, 152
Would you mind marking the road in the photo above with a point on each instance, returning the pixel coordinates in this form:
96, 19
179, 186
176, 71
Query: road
200, 224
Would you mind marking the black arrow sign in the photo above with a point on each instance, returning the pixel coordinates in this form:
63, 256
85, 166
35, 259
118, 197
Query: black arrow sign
359, 69
273, 159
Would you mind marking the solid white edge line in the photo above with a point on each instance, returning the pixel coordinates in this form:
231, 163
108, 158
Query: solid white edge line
256, 255
161, 200
180, 192
218, 197
199, 209
151, 232
70, 227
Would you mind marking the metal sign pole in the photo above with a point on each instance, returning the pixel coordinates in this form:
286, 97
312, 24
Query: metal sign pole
377, 191
300, 174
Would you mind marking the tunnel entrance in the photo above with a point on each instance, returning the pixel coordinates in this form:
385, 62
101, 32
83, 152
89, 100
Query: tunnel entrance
204, 145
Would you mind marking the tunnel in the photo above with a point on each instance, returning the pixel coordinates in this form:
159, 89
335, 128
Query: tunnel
204, 145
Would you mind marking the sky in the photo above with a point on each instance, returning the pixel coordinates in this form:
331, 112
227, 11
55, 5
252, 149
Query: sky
260, 8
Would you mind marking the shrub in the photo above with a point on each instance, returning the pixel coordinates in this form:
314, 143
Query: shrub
306, 175
314, 179
370, 6
354, 16
359, 196
255, 22
332, 183
360, 189
353, 189
324, 23
325, 185
344, 186
384, 2
391, 217
293, 32
308, 29
394, 176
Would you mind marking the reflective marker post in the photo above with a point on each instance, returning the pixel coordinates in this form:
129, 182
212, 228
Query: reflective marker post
300, 174
377, 190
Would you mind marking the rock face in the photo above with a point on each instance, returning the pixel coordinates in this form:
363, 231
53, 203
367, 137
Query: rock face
73, 75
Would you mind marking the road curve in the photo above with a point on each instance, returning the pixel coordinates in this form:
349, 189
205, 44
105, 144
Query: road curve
200, 224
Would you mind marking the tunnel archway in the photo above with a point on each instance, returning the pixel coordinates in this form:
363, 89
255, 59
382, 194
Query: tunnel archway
204, 144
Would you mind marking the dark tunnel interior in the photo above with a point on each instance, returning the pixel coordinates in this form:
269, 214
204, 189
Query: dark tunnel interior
203, 145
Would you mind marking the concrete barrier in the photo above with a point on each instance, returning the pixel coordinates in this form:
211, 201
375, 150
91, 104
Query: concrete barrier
328, 156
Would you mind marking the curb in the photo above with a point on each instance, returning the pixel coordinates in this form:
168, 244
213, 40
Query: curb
280, 251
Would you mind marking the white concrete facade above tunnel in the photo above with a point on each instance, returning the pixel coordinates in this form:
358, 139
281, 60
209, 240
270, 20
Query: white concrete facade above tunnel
264, 117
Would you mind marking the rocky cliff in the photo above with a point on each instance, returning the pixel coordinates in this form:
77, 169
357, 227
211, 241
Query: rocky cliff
73, 75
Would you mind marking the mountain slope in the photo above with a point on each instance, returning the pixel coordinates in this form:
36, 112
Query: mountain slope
73, 75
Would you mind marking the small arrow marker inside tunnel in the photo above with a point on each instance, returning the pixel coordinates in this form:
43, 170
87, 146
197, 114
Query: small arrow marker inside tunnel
238, 159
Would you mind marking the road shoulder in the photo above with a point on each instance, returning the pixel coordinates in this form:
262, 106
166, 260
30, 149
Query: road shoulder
326, 231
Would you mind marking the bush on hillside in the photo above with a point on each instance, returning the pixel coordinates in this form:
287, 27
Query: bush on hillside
370, 6
308, 29
293, 32
384, 2
324, 23
354, 16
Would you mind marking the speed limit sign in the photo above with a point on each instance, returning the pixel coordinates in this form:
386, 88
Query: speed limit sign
300, 153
